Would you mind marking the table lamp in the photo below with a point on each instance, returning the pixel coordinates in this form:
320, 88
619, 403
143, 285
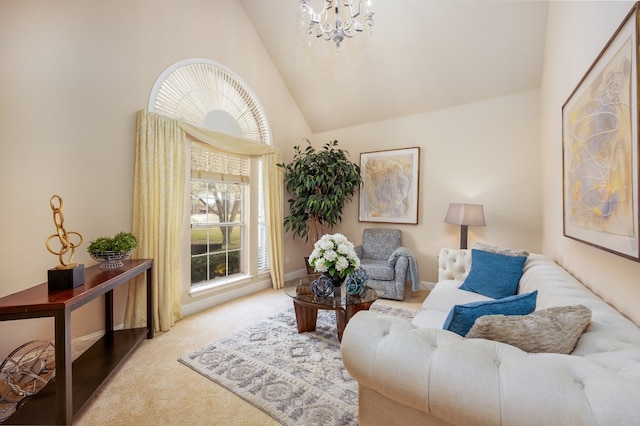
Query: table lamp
465, 215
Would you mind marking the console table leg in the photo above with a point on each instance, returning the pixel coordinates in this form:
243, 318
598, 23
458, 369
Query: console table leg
63, 379
108, 312
150, 330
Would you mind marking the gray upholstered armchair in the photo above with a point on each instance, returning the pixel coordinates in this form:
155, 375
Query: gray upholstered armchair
385, 261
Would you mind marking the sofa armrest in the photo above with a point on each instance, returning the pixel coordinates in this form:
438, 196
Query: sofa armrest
372, 356
477, 381
399, 361
400, 270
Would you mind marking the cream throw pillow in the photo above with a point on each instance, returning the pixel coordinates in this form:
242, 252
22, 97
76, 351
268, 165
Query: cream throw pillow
501, 250
548, 330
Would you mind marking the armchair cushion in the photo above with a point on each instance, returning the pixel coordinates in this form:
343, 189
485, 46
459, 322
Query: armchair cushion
378, 269
379, 244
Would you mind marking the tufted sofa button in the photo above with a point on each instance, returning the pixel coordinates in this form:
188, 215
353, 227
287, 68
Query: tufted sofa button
497, 362
453, 264
579, 382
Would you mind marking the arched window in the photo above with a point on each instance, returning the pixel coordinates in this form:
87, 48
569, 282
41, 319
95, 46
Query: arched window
227, 221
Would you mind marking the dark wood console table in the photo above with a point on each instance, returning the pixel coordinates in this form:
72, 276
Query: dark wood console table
74, 383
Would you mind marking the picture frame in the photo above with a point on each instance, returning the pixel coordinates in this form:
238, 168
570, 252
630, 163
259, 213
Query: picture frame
600, 148
389, 191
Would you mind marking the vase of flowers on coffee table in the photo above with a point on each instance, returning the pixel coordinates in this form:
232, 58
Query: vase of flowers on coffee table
334, 255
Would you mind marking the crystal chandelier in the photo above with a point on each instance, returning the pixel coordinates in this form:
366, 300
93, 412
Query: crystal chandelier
348, 20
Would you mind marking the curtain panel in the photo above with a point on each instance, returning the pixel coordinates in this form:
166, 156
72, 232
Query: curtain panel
158, 206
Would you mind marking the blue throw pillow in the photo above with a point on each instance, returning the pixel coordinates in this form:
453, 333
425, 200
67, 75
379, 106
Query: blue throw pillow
461, 317
494, 275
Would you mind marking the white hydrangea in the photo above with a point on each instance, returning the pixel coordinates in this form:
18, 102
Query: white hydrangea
321, 267
334, 254
344, 248
342, 263
330, 256
326, 244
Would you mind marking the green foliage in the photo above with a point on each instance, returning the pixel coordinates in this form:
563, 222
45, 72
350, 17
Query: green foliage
122, 242
320, 184
211, 266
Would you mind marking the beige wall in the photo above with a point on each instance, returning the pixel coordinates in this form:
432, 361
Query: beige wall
483, 153
576, 33
73, 75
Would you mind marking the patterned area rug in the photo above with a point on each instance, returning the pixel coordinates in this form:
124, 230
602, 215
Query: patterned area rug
298, 379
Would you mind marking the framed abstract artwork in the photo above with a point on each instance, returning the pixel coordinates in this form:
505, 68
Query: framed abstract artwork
389, 191
600, 148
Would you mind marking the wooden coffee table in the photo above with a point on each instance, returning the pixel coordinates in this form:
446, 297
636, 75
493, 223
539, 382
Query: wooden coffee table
306, 304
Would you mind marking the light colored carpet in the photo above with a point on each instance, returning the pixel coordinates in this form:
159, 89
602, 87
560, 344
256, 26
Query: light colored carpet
297, 378
152, 388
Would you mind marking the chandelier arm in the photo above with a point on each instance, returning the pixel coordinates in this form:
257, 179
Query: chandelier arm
354, 12
319, 24
350, 28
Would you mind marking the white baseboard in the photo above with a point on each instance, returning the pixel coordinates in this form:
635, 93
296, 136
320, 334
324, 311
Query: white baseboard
224, 295
427, 285
82, 343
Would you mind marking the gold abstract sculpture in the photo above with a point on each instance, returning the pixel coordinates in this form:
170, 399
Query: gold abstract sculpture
63, 236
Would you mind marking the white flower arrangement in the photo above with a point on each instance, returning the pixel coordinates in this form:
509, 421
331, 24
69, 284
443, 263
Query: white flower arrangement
334, 255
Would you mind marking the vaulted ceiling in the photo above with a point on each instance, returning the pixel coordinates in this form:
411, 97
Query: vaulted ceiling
420, 56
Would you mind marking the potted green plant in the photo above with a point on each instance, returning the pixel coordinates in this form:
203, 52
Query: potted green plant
112, 250
320, 183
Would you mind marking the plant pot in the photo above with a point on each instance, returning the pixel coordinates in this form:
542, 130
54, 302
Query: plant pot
310, 269
337, 281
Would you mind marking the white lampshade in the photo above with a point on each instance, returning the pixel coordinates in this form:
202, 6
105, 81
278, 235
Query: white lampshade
465, 214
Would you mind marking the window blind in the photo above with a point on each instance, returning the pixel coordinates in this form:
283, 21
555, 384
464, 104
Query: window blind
207, 163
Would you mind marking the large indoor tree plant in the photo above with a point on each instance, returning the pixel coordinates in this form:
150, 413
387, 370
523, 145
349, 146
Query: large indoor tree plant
320, 183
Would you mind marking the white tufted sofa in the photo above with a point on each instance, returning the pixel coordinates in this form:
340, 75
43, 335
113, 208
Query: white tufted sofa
417, 373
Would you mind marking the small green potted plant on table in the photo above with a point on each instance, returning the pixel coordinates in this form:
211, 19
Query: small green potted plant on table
112, 250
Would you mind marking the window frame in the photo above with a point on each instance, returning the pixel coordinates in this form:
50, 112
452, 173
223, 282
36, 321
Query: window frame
239, 224
250, 238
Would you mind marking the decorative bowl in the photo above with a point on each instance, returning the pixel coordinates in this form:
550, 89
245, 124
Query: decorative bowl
111, 259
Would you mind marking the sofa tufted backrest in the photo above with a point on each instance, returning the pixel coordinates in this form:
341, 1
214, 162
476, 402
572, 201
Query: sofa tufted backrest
611, 340
454, 264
